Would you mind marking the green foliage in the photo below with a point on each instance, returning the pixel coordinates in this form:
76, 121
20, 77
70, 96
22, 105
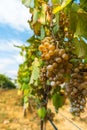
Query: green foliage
42, 112
55, 2
28, 3
78, 18
83, 4
62, 6
80, 48
42, 32
35, 72
58, 100
5, 82
81, 29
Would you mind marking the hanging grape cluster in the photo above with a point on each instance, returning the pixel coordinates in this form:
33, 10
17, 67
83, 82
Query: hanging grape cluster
77, 90
56, 61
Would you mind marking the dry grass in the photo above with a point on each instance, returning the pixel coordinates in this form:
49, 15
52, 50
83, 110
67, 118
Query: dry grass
11, 115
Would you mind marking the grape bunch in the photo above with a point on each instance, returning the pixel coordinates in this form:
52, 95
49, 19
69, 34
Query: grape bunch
42, 76
77, 90
57, 64
47, 48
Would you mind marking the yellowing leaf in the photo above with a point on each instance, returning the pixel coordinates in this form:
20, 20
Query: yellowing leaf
42, 14
35, 15
35, 71
19, 92
60, 7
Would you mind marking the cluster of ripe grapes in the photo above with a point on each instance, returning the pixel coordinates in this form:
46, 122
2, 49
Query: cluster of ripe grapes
77, 90
57, 64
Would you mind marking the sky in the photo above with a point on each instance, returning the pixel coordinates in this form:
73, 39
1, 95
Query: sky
14, 30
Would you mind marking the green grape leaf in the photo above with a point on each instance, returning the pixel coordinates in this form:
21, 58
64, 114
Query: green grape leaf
36, 3
83, 4
25, 99
33, 40
81, 29
35, 15
55, 2
74, 60
24, 86
58, 100
78, 21
26, 92
28, 3
74, 16
42, 32
42, 14
62, 6
36, 28
73, 21
26, 79
42, 112
35, 71
56, 27
80, 48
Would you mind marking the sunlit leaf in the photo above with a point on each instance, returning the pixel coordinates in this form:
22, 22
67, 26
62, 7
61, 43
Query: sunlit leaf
19, 92
35, 71
62, 6
24, 86
78, 21
80, 48
55, 2
26, 79
42, 112
35, 15
42, 32
81, 29
26, 92
42, 14
28, 3
26, 100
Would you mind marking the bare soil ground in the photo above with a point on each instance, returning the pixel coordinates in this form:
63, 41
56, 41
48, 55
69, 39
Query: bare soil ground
11, 115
